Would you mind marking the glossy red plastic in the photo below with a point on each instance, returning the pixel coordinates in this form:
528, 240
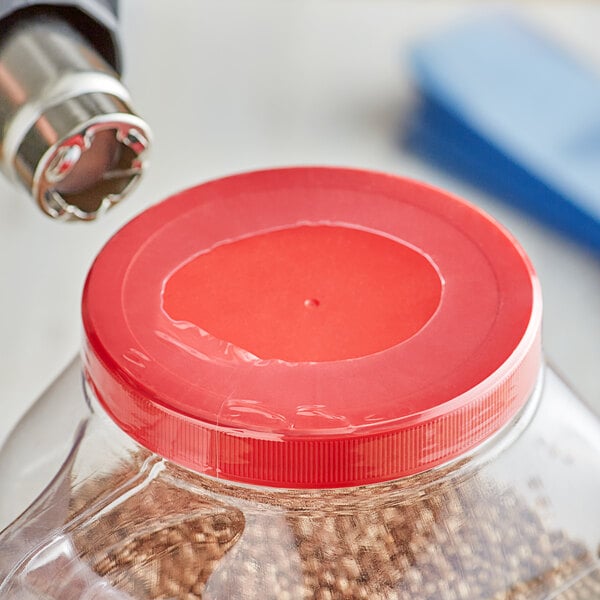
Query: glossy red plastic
307, 294
186, 311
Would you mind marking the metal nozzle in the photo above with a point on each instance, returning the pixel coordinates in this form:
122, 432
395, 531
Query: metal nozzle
67, 130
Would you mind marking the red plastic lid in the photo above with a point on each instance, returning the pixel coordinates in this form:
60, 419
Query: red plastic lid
312, 327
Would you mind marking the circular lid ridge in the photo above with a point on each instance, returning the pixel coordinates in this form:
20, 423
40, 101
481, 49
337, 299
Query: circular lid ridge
312, 327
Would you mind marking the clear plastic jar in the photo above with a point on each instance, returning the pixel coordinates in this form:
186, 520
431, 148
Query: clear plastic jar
306, 383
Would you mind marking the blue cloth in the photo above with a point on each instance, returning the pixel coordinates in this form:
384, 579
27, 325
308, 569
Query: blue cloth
516, 114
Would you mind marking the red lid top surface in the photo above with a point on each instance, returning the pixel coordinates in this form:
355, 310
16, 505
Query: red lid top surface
312, 327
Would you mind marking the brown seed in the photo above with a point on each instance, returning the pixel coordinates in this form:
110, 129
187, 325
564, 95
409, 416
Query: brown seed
184, 537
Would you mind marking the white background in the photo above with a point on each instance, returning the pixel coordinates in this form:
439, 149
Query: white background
235, 85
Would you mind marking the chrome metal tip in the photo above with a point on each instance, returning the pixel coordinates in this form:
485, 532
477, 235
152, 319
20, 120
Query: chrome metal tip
83, 175
68, 132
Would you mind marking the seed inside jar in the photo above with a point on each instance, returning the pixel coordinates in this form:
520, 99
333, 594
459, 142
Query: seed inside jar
184, 537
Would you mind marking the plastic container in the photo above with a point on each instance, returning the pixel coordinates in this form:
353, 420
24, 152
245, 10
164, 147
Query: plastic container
306, 383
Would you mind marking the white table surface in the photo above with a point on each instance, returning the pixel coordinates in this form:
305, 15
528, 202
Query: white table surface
235, 85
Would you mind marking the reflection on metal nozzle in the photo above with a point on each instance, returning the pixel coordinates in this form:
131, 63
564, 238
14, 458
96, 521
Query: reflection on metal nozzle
67, 130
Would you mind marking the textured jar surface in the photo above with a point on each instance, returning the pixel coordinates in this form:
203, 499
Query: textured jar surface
515, 519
